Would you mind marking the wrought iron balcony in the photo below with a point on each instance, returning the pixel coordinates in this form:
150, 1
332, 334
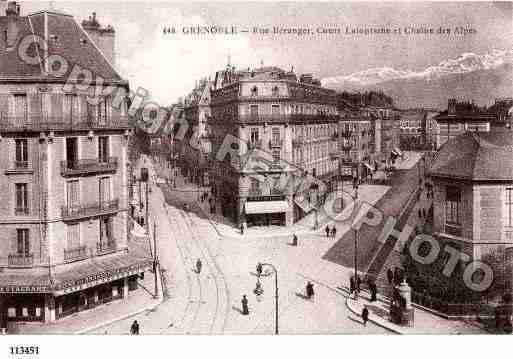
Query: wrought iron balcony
50, 123
275, 143
20, 260
106, 246
75, 254
88, 166
74, 212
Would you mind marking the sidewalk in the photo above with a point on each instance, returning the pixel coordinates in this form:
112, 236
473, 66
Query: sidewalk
424, 322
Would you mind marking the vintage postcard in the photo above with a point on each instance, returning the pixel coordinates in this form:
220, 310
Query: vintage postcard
266, 168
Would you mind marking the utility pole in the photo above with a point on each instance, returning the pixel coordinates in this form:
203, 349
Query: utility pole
147, 224
155, 260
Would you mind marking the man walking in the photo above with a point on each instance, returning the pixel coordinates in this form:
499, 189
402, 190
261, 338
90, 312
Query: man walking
327, 231
244, 302
333, 232
309, 290
134, 329
365, 316
198, 266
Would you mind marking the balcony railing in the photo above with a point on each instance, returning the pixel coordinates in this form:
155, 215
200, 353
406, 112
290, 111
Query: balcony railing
104, 247
89, 210
21, 211
298, 142
21, 260
20, 165
275, 143
84, 166
50, 123
75, 254
299, 118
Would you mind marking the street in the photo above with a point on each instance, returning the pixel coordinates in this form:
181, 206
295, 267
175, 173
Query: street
210, 302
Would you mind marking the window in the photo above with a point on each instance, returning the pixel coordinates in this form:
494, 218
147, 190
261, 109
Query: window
509, 206
71, 152
255, 185
105, 229
73, 193
275, 134
275, 109
103, 149
20, 107
104, 189
254, 91
253, 110
70, 106
22, 207
452, 204
254, 135
276, 91
73, 236
21, 154
23, 243
452, 211
276, 156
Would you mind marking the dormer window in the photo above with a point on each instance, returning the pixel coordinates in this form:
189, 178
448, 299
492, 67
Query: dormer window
254, 91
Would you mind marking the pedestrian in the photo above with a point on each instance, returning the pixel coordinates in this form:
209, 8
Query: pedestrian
294, 240
309, 290
259, 269
365, 316
198, 266
242, 229
358, 283
244, 302
390, 276
373, 290
333, 232
327, 231
134, 329
352, 286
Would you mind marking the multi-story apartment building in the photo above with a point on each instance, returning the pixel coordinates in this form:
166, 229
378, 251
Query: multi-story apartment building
196, 147
466, 116
356, 143
63, 179
413, 129
291, 122
473, 199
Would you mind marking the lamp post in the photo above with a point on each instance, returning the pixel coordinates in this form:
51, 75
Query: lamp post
275, 295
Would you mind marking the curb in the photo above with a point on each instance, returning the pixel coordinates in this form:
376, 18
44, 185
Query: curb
139, 311
379, 322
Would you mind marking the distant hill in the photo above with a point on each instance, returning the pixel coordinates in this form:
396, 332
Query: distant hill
480, 78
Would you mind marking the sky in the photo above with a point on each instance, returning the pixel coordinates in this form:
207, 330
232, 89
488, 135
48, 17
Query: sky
168, 65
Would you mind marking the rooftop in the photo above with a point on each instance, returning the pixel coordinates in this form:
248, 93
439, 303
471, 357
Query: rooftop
63, 36
476, 156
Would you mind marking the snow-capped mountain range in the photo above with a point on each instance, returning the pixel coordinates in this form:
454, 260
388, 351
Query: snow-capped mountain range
483, 76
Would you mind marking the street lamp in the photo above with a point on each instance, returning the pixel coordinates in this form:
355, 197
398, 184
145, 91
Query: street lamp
275, 294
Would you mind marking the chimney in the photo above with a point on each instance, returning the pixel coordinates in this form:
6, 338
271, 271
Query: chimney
13, 9
11, 32
103, 37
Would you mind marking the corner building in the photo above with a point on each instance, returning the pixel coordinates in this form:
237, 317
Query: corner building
63, 179
292, 121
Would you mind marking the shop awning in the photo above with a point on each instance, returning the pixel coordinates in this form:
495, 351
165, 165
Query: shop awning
266, 207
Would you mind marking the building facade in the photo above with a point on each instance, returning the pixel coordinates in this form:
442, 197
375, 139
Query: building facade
63, 241
290, 122
472, 178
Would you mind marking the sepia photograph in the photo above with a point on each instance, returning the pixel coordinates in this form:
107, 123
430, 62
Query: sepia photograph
254, 168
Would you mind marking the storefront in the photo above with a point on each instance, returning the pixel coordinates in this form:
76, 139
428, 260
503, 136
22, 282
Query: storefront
266, 212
